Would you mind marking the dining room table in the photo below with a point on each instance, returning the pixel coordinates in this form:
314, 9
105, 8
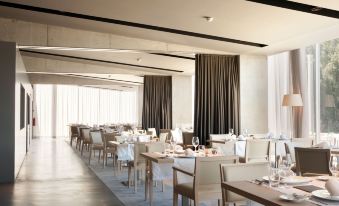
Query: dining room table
266, 195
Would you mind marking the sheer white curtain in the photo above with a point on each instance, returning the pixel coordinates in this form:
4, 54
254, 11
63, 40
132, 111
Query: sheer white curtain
278, 85
63, 105
288, 73
43, 99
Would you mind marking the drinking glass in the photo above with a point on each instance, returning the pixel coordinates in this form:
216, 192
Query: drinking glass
202, 149
274, 177
245, 132
172, 142
231, 132
195, 142
334, 166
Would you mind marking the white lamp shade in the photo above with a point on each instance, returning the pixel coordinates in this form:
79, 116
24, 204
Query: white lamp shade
292, 100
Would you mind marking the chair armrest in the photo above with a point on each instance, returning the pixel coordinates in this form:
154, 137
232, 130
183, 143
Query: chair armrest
183, 171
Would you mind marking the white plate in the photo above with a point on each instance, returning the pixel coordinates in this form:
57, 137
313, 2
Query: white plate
296, 180
323, 178
292, 198
324, 194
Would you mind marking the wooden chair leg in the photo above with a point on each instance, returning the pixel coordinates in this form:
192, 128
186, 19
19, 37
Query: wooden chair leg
82, 149
129, 176
175, 199
90, 155
163, 186
135, 179
99, 155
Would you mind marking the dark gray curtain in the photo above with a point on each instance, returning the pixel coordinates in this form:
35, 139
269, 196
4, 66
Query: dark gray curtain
217, 95
157, 103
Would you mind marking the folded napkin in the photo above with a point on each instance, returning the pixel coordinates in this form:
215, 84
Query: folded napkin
323, 145
189, 152
269, 135
283, 136
241, 137
332, 186
178, 147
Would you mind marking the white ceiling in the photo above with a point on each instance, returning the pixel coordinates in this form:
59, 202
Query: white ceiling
281, 29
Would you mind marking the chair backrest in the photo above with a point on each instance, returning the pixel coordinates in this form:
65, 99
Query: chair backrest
139, 147
85, 133
219, 137
177, 135
168, 131
154, 132
109, 137
207, 170
96, 137
74, 131
163, 137
187, 138
156, 147
144, 138
312, 161
257, 150
296, 142
241, 172
226, 149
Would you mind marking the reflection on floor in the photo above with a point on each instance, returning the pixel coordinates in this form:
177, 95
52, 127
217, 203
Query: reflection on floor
115, 182
53, 174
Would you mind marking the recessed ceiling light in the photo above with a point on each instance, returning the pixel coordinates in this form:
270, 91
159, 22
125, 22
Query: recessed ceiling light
208, 18
138, 59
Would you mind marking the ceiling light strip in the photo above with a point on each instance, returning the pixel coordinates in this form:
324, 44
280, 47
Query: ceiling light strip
127, 23
300, 7
101, 61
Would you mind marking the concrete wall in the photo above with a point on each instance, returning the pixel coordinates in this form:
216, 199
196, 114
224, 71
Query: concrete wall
182, 101
12, 139
253, 93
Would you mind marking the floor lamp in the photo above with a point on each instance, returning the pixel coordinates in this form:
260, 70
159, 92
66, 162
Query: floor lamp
292, 100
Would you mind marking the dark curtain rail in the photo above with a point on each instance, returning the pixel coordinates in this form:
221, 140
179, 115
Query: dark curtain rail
217, 95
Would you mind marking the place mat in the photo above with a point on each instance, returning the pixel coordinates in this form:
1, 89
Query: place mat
322, 202
308, 188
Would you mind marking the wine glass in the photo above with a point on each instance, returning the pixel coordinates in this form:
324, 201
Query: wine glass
231, 132
195, 142
172, 142
274, 177
245, 132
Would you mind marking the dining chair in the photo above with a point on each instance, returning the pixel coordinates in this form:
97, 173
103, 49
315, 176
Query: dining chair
257, 150
109, 148
156, 147
312, 161
177, 135
73, 133
218, 137
163, 137
138, 164
240, 172
227, 149
86, 139
168, 131
206, 179
187, 139
154, 132
96, 143
296, 142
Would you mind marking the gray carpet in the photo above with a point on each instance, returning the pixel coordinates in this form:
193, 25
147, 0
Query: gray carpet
125, 194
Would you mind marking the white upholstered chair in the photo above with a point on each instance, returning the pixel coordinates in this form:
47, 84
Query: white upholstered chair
163, 137
228, 148
96, 143
206, 179
240, 172
154, 132
257, 150
218, 137
138, 164
177, 135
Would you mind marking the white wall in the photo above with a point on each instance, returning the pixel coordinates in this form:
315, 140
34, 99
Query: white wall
21, 138
253, 93
182, 100
13, 139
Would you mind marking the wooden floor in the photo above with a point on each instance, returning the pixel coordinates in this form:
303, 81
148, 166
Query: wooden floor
53, 174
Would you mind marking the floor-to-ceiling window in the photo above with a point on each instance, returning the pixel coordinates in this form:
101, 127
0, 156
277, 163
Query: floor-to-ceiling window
60, 105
